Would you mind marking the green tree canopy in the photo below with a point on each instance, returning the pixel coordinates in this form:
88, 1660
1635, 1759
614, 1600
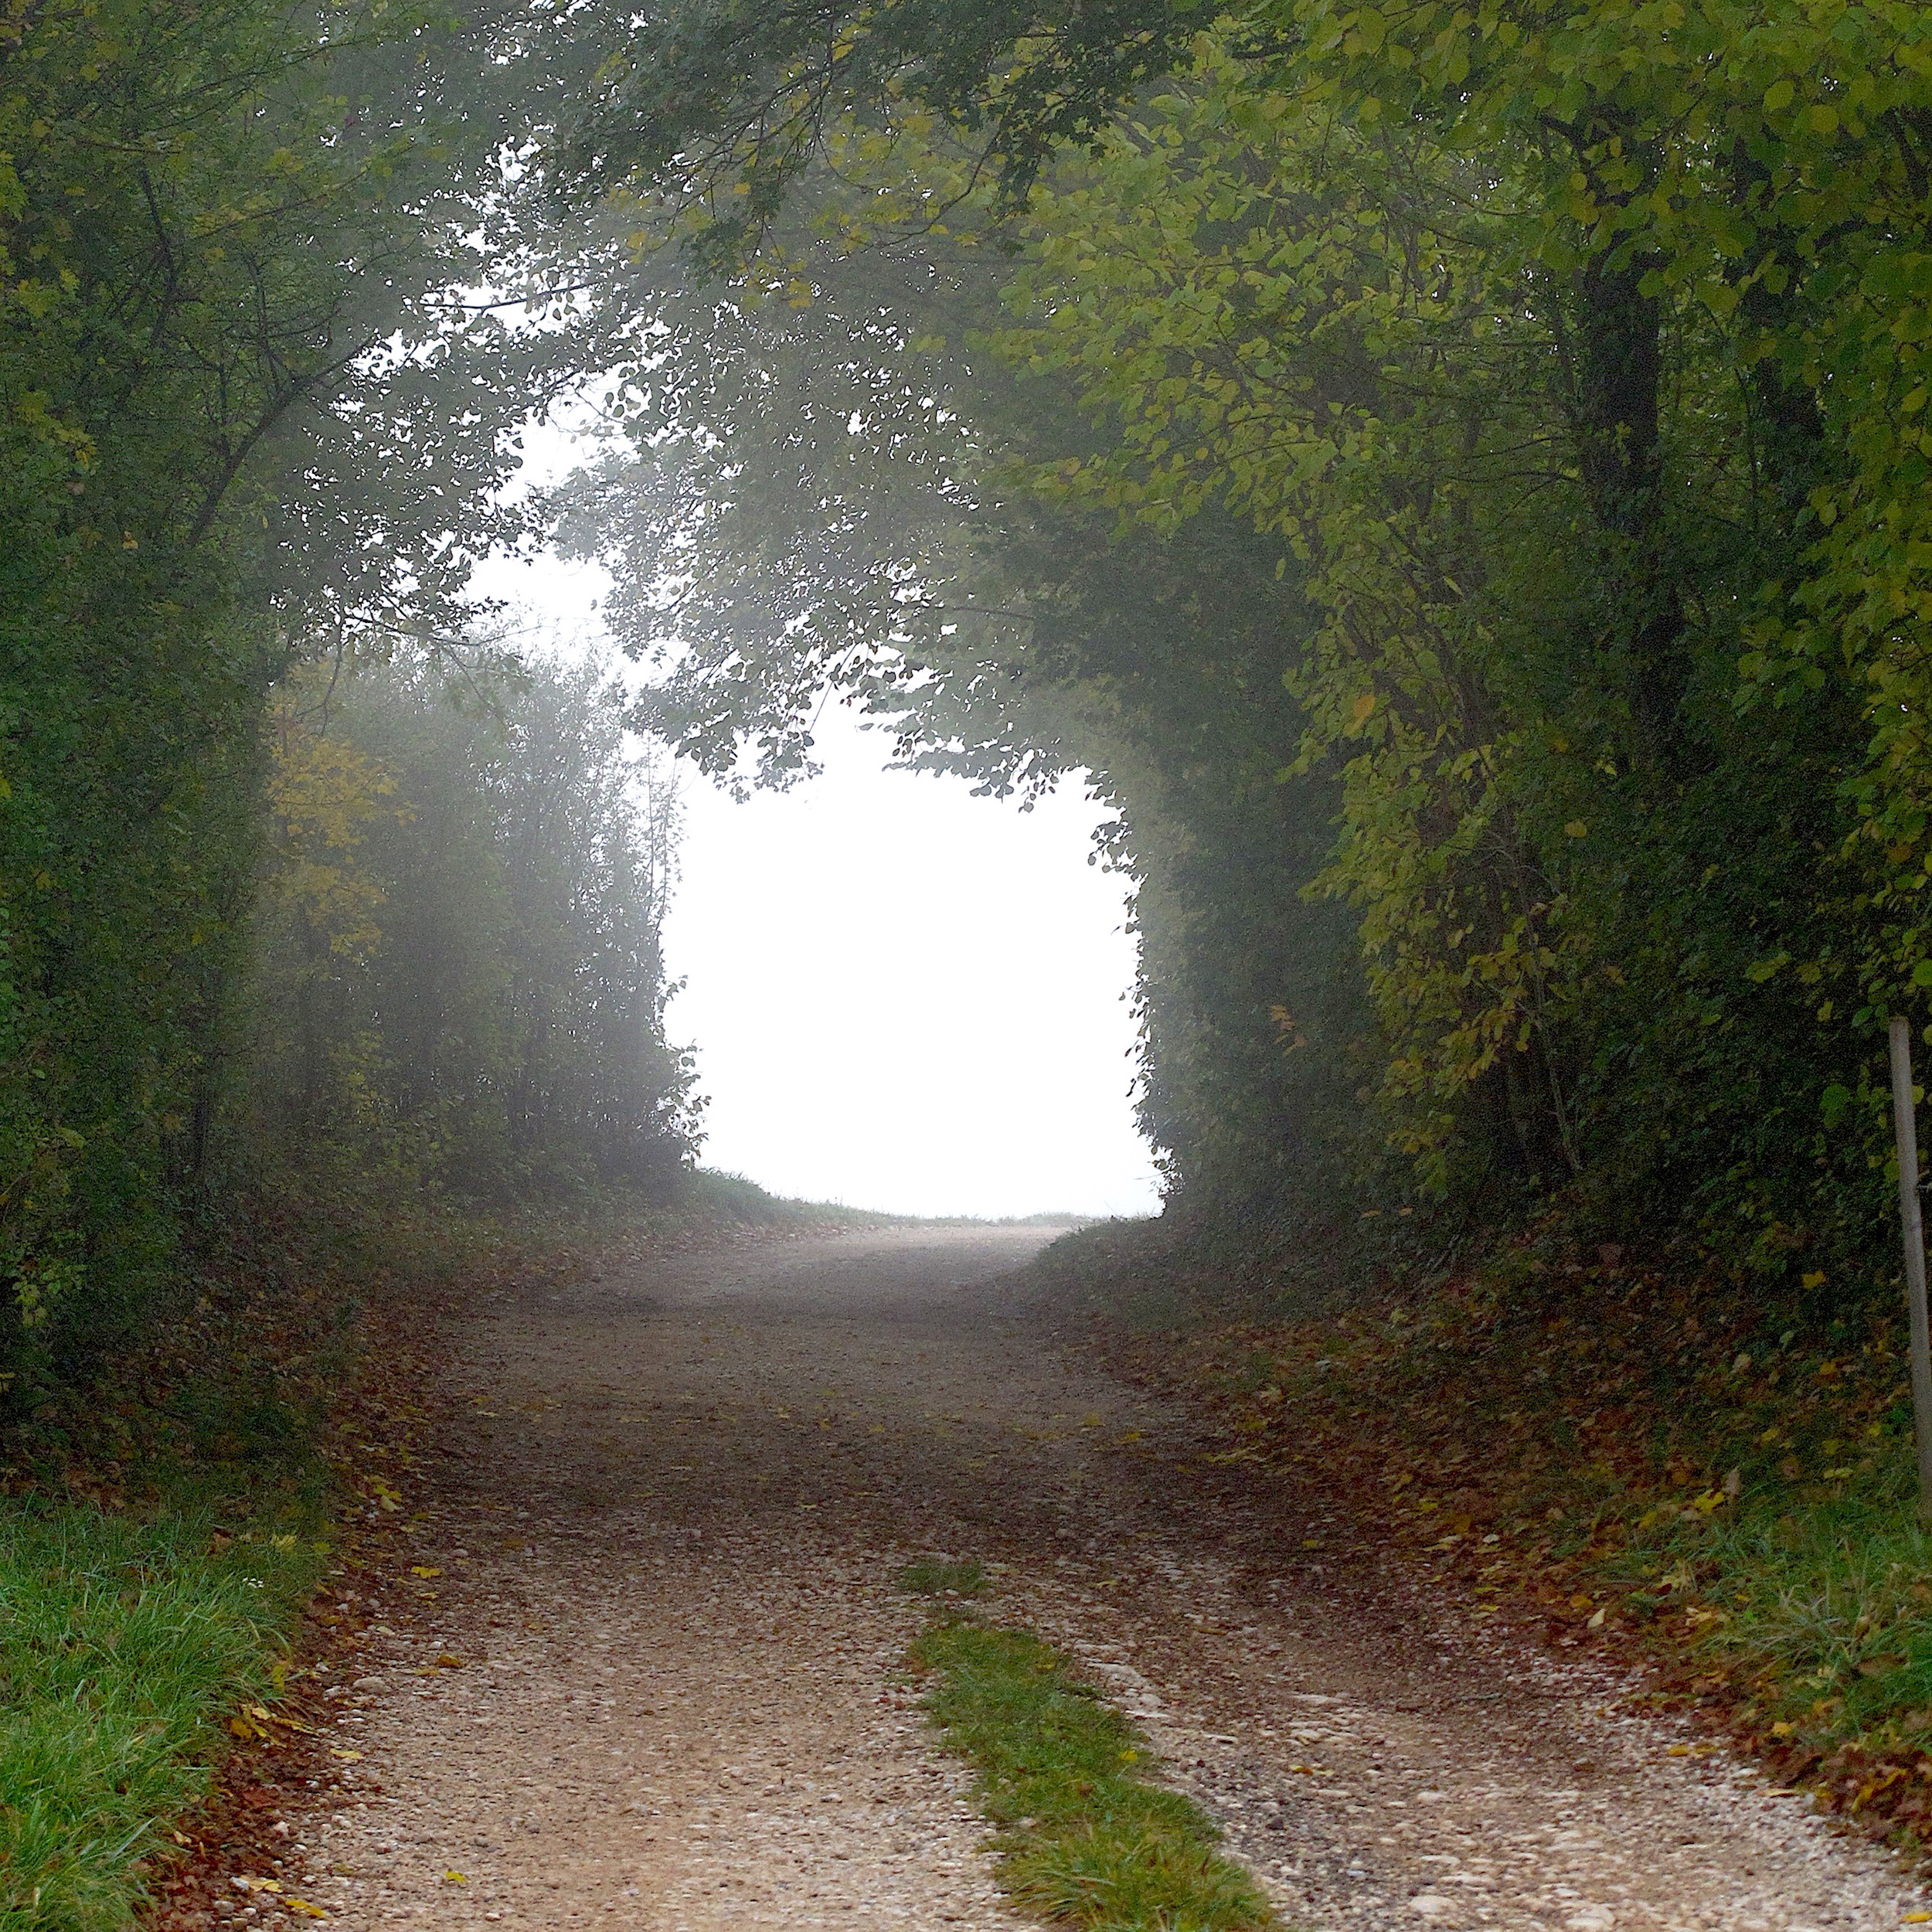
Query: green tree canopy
1562, 360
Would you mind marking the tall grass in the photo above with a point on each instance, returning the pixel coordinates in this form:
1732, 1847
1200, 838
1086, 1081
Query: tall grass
1824, 1608
160, 1530
124, 1643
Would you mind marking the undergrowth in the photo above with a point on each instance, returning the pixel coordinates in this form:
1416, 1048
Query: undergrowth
160, 1528
1640, 1453
1081, 1838
707, 1194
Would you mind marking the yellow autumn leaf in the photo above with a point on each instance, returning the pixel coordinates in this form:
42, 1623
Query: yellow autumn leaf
302, 1906
348, 1757
1363, 705
454, 1878
423, 1569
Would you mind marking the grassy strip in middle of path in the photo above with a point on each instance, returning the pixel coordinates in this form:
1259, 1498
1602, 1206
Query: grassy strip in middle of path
1082, 1839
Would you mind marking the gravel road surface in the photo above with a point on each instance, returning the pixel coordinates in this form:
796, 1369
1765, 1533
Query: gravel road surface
653, 1681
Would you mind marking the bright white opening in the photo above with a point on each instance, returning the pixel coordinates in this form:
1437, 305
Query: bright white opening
903, 997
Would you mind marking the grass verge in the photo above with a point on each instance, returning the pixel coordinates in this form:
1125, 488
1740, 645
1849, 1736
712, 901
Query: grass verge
126, 1644
1081, 1837
161, 1528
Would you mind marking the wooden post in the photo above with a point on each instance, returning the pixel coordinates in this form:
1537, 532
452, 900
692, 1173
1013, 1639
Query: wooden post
1905, 1126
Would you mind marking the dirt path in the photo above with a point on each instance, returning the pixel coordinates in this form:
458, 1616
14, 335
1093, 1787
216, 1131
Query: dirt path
666, 1559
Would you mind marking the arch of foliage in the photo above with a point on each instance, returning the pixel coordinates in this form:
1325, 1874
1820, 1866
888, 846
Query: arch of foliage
1453, 475
1559, 371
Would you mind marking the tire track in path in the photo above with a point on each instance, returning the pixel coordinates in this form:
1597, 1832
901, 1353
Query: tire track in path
664, 1553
